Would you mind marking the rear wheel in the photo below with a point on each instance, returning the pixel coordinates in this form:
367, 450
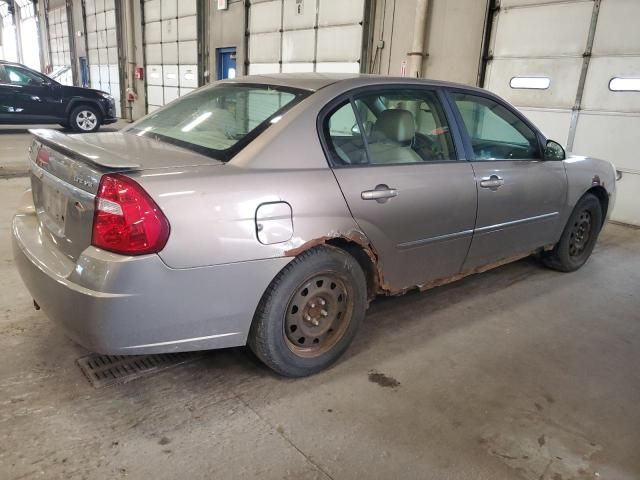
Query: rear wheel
310, 312
578, 238
85, 119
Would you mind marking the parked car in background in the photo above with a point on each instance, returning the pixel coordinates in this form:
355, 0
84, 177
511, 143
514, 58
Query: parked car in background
269, 211
29, 97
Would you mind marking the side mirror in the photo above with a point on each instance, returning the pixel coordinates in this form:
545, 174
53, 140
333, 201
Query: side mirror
554, 151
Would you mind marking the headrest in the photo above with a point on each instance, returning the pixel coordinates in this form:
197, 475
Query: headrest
397, 125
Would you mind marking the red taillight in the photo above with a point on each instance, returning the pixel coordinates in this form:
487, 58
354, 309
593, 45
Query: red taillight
126, 219
42, 158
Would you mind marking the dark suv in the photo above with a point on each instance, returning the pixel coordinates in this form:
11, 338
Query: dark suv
27, 96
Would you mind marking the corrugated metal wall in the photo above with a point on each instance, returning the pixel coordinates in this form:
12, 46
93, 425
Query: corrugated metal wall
171, 49
305, 36
579, 46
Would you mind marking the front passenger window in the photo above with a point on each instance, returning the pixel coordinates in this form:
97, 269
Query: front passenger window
495, 132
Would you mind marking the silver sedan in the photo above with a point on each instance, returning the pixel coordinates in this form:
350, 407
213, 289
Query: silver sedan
270, 210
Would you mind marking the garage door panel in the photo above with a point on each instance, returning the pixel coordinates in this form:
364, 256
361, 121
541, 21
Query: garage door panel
339, 44
298, 46
100, 6
563, 73
90, 7
265, 17
152, 11
169, 8
154, 75
297, 67
171, 46
626, 209
153, 54
554, 124
109, 5
188, 52
263, 68
170, 53
153, 32
169, 30
170, 75
91, 23
621, 17
188, 28
170, 94
188, 76
598, 96
155, 95
110, 19
339, 12
292, 20
112, 55
338, 67
264, 48
543, 30
187, 7
613, 137
92, 40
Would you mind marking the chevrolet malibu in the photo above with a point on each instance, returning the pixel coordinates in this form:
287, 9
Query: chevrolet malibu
270, 210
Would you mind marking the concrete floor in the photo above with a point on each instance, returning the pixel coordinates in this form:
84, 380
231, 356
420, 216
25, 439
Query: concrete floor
520, 372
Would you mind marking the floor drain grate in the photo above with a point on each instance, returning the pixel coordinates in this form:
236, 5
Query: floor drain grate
105, 370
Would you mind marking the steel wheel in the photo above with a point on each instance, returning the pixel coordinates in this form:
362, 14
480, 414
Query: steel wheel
318, 315
580, 234
86, 120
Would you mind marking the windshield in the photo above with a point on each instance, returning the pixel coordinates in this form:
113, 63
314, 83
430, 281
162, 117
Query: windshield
218, 121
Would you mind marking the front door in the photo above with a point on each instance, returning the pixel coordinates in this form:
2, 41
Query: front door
395, 160
520, 195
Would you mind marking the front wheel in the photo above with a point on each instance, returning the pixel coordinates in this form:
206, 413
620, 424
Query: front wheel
85, 119
310, 312
578, 238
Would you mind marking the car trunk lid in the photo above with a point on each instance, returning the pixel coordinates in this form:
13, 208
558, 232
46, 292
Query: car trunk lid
66, 172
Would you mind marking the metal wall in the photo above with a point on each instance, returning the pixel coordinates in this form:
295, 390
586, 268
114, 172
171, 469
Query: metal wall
171, 49
577, 47
305, 36
102, 34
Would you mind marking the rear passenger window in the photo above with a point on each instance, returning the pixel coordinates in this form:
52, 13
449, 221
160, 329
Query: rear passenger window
390, 127
495, 132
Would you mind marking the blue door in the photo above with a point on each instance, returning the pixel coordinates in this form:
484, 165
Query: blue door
226, 63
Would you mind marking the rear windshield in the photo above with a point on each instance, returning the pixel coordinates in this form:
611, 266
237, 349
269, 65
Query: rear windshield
220, 120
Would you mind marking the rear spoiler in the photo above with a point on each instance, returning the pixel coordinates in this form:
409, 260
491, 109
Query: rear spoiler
74, 146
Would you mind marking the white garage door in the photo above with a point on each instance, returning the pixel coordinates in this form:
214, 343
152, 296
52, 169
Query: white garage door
102, 47
59, 45
539, 64
305, 36
171, 49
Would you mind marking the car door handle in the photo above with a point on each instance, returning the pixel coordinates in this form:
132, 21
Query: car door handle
381, 194
493, 182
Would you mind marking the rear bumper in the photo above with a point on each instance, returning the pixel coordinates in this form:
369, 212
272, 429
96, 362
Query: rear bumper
107, 121
114, 304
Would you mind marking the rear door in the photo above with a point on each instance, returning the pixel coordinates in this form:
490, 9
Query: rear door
397, 164
520, 195
32, 97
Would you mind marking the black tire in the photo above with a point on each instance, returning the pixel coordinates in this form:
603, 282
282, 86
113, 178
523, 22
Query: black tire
320, 336
85, 119
578, 238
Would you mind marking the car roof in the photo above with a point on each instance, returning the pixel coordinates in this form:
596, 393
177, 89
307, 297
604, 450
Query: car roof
316, 81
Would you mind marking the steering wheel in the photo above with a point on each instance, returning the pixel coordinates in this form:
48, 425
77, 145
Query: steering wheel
427, 147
